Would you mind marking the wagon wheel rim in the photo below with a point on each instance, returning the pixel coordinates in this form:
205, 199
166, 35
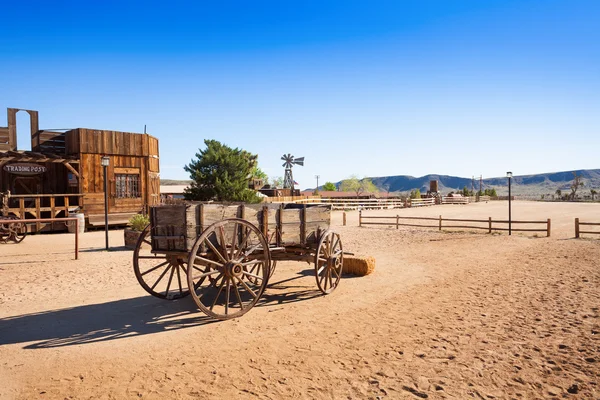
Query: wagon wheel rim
228, 268
329, 262
160, 274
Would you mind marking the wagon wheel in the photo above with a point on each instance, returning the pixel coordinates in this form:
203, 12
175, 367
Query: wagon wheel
18, 231
228, 268
329, 262
162, 275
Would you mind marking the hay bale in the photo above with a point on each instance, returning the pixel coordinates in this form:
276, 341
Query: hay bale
359, 265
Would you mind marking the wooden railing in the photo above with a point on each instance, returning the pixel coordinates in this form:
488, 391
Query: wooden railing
33, 205
578, 230
37, 221
455, 200
394, 220
355, 204
422, 202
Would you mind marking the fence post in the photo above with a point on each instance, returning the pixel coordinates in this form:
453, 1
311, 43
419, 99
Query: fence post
344, 218
490, 225
577, 228
359, 218
549, 224
397, 221
440, 222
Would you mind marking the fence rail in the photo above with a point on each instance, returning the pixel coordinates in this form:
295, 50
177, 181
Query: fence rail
38, 220
422, 202
578, 230
455, 200
394, 220
355, 204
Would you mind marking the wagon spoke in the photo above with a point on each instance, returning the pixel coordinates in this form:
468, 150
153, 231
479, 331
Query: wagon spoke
179, 266
244, 242
237, 294
170, 278
252, 250
205, 275
321, 269
147, 242
214, 249
252, 275
227, 291
155, 268
218, 293
247, 287
208, 261
223, 243
234, 242
159, 278
337, 274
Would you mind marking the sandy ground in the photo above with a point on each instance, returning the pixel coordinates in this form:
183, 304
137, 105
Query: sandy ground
445, 315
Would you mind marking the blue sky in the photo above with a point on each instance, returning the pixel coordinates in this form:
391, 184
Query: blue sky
374, 88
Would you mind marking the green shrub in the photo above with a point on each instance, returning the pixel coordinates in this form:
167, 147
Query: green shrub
138, 222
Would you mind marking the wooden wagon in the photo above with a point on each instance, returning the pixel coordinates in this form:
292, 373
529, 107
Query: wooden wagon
224, 255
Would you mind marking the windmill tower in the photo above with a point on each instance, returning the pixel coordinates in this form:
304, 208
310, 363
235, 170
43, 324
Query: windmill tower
289, 161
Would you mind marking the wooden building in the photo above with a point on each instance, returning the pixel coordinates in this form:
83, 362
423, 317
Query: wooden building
63, 173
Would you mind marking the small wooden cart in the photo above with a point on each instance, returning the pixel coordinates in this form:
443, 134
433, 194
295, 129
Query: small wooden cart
227, 253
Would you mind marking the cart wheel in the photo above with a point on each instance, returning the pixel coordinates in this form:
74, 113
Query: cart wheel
228, 268
160, 274
19, 231
329, 262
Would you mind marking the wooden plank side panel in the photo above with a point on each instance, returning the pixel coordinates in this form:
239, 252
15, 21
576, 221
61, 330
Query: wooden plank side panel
289, 221
318, 220
169, 221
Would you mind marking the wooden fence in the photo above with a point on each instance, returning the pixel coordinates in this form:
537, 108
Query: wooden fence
455, 223
355, 204
422, 202
455, 200
41, 205
50, 220
578, 230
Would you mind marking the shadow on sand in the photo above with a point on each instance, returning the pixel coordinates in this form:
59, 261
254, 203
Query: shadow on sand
126, 318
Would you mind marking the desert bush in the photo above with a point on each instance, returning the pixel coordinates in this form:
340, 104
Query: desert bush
138, 222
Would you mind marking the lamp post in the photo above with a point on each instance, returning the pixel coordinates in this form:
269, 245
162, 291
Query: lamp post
317, 189
509, 176
105, 163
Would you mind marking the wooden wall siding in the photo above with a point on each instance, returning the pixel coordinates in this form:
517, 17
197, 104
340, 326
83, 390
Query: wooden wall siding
48, 142
93, 141
4, 139
93, 183
72, 142
153, 161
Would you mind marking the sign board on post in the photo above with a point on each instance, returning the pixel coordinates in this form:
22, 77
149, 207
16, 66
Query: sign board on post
25, 169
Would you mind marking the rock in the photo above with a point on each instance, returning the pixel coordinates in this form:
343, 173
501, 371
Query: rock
573, 389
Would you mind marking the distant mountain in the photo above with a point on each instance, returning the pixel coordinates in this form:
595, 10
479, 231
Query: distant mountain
524, 185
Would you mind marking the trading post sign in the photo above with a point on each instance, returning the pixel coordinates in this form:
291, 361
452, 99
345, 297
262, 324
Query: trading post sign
25, 169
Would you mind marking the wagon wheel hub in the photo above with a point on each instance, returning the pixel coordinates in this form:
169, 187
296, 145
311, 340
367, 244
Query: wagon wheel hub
233, 269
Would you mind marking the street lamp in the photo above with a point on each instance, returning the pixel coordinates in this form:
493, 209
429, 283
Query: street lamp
105, 163
509, 176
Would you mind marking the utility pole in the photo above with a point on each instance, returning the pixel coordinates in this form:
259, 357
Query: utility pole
317, 189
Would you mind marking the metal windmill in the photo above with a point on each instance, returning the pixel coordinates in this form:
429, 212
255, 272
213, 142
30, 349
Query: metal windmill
289, 161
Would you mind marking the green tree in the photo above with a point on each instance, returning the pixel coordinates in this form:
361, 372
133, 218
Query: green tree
358, 186
593, 193
259, 173
221, 173
329, 187
558, 193
277, 182
415, 194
